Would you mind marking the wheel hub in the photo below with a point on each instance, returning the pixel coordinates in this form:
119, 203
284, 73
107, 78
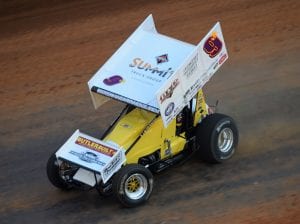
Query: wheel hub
136, 186
133, 184
225, 140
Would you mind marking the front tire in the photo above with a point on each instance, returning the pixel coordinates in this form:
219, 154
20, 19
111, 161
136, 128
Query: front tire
217, 138
53, 173
132, 185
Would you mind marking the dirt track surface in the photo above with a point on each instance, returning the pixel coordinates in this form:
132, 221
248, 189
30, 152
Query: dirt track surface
48, 51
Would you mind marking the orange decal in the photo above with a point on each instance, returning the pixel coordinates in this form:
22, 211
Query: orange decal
95, 146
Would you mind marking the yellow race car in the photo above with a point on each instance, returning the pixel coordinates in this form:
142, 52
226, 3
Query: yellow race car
165, 120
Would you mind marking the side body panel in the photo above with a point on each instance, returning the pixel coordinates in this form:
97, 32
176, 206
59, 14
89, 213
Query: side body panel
140, 134
157, 137
172, 144
149, 142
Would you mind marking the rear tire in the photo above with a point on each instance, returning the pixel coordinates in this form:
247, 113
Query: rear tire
132, 185
217, 138
53, 174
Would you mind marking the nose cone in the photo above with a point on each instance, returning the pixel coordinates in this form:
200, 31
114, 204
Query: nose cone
130, 127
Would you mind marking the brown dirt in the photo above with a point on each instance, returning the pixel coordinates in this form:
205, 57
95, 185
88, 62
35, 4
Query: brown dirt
50, 49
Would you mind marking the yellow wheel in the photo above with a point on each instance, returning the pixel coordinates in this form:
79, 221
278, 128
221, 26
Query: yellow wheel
132, 185
136, 186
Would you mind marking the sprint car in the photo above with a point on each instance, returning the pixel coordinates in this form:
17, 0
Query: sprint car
165, 118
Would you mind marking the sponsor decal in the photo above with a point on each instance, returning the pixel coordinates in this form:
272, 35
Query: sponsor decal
162, 58
95, 146
169, 92
112, 166
191, 67
176, 110
140, 64
192, 90
215, 65
113, 80
88, 157
222, 58
169, 109
127, 100
212, 45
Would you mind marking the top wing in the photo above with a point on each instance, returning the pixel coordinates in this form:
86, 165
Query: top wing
158, 73
137, 70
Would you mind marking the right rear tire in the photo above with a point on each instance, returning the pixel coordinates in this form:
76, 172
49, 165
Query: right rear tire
217, 138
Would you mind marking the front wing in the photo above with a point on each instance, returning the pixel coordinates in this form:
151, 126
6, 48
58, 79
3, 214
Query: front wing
94, 157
